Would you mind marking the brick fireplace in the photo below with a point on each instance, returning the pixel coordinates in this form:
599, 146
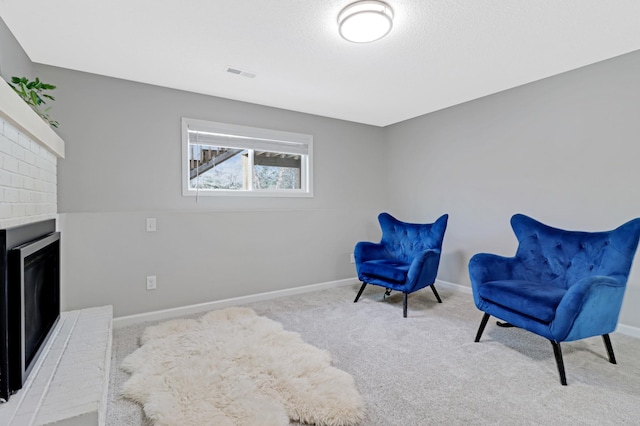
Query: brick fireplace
28, 179
68, 383
29, 152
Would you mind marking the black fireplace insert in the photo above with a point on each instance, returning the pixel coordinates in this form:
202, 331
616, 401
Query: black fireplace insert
29, 298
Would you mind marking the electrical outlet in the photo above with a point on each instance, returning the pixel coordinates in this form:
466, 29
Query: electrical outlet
151, 282
353, 259
151, 224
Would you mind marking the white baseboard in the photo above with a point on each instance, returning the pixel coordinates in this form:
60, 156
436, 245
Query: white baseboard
453, 286
628, 330
225, 303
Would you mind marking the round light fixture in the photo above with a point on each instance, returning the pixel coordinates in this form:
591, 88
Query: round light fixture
365, 21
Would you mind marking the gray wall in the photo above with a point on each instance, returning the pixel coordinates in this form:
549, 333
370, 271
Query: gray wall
13, 60
564, 150
123, 164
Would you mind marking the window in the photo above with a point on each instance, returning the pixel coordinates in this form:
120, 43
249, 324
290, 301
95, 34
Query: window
227, 159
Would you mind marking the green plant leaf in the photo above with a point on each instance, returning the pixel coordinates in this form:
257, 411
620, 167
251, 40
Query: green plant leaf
35, 98
23, 91
32, 93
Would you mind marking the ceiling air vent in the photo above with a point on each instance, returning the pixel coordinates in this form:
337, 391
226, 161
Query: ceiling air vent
236, 71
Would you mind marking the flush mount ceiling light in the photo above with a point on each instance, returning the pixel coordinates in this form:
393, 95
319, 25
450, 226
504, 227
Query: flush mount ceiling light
365, 21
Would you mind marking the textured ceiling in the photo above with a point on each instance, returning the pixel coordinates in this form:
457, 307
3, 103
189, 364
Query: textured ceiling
438, 54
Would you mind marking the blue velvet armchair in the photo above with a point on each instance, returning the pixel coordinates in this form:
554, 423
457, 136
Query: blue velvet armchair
406, 259
561, 285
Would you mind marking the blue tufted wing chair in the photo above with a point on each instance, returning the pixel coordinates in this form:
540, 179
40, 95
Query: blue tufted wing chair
561, 285
406, 259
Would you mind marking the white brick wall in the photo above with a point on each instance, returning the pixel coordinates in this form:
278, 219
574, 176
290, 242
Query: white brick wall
28, 179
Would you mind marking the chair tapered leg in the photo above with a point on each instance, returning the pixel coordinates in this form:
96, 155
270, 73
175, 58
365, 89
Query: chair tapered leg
404, 305
483, 324
435, 292
607, 344
360, 292
558, 354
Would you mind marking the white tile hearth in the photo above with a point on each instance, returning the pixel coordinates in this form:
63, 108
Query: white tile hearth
68, 385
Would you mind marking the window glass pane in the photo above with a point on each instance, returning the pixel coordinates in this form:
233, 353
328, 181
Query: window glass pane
274, 170
215, 167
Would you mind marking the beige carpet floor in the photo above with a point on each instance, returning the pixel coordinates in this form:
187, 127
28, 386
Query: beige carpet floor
427, 370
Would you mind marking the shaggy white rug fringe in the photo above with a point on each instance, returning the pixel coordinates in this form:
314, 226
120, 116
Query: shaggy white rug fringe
233, 367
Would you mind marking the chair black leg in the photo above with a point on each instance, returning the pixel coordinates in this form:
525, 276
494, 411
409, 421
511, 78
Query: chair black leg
483, 324
558, 354
607, 344
435, 292
360, 292
404, 305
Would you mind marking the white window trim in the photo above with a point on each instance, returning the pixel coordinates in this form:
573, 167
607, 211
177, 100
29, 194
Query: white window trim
251, 133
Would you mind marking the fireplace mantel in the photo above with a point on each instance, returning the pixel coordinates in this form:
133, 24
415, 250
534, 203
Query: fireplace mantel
15, 111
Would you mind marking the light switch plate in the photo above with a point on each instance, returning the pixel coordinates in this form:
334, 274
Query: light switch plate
151, 224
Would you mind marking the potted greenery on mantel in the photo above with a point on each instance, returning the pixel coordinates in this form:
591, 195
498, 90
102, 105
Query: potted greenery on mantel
33, 92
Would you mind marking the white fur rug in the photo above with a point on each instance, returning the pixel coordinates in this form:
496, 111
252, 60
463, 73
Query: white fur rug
233, 367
